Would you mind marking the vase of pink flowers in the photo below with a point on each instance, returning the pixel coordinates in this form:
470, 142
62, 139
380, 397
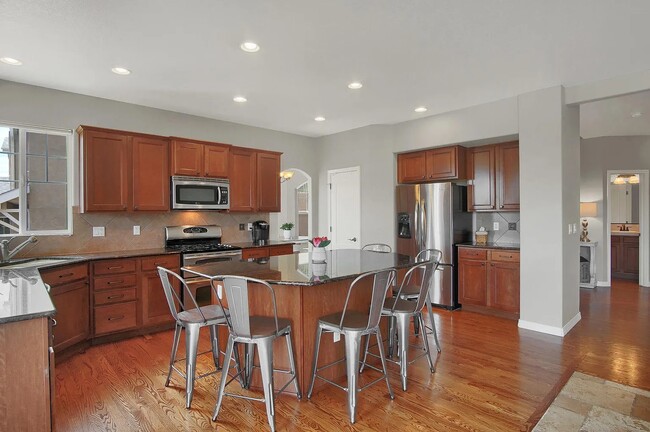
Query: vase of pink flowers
318, 253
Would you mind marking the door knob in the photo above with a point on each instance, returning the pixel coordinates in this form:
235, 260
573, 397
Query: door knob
353, 239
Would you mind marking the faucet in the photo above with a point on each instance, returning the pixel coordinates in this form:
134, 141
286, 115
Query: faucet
624, 228
6, 254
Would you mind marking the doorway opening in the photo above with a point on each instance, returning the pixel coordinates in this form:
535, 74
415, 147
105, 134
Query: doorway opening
296, 205
344, 204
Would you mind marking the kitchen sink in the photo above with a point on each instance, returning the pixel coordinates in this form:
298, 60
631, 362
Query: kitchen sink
35, 262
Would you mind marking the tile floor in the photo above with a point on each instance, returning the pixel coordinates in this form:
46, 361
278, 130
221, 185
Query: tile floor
590, 404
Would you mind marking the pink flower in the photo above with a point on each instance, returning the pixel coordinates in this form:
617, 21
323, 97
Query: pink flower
320, 242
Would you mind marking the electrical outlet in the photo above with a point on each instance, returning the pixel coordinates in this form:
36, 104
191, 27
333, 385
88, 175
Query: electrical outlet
495, 226
136, 229
249, 226
99, 231
242, 227
512, 226
575, 228
569, 229
337, 337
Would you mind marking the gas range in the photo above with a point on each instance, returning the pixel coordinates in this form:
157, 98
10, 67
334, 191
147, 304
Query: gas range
202, 247
200, 244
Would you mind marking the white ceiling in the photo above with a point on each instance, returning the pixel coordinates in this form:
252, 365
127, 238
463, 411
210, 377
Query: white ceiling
445, 54
613, 117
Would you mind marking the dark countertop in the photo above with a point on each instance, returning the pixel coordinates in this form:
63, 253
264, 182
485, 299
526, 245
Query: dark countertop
489, 245
251, 245
297, 269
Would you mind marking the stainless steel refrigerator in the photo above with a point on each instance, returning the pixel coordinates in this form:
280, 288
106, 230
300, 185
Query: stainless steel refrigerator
434, 216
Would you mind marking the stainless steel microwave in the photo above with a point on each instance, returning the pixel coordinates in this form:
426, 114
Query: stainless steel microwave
200, 193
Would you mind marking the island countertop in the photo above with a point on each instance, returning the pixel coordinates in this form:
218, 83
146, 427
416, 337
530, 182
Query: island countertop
298, 269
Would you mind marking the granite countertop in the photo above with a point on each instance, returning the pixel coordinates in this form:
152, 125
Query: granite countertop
490, 245
251, 245
297, 268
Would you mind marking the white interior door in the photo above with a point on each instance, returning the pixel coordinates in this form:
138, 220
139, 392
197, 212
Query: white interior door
345, 207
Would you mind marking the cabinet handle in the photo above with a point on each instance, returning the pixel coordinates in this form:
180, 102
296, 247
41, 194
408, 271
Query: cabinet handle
116, 318
115, 282
48, 288
158, 264
492, 264
66, 275
501, 206
115, 297
135, 207
115, 267
54, 323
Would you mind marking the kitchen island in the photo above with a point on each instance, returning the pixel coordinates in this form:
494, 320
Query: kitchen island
304, 292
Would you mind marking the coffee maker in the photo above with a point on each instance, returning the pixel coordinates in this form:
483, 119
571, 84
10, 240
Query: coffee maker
260, 232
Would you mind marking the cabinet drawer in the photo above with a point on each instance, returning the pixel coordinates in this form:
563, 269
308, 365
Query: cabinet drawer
65, 274
114, 296
262, 252
112, 282
166, 261
508, 256
281, 250
472, 253
115, 318
114, 266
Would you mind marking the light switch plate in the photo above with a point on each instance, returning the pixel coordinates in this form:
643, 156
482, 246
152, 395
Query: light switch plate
242, 227
99, 231
136, 229
249, 226
495, 226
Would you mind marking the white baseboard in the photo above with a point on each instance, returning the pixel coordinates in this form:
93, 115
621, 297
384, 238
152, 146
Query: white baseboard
603, 284
555, 331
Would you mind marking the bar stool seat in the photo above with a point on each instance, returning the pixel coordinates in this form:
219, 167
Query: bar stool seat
353, 321
210, 313
263, 326
398, 305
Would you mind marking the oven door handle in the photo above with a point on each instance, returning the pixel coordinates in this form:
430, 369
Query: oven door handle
214, 260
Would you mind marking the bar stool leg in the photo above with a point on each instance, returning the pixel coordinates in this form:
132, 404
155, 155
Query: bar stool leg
214, 339
191, 347
266, 367
319, 333
383, 363
365, 354
292, 364
249, 358
433, 322
426, 344
177, 336
403, 332
391, 336
352, 346
224, 377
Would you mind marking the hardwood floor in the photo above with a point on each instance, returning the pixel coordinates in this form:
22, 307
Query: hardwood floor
490, 376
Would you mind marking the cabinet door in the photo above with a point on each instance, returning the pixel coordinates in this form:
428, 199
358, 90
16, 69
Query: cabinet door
616, 254
72, 314
503, 281
155, 309
630, 255
472, 282
150, 174
411, 167
187, 158
268, 182
508, 176
106, 163
443, 163
216, 160
242, 180
481, 194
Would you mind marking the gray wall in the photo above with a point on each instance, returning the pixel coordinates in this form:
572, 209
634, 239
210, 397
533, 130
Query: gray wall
597, 156
40, 106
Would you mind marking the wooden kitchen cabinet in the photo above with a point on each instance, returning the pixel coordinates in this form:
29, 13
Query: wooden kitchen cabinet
443, 163
508, 176
69, 290
493, 171
268, 182
199, 158
155, 309
254, 180
488, 281
267, 251
625, 256
150, 174
114, 309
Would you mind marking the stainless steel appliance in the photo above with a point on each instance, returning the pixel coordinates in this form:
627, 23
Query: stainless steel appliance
434, 216
200, 193
199, 245
260, 232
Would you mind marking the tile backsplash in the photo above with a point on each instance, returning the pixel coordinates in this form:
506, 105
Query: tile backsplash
504, 235
119, 231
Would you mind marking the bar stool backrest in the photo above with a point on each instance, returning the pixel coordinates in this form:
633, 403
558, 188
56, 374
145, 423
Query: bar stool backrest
434, 255
377, 247
381, 282
236, 290
425, 273
176, 305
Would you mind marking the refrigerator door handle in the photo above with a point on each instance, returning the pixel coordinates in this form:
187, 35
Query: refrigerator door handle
416, 226
423, 211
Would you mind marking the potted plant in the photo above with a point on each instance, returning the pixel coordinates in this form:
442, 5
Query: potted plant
286, 230
318, 252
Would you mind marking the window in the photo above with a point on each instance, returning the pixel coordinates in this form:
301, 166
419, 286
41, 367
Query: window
35, 181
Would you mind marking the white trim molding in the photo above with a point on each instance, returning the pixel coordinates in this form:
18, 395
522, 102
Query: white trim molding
555, 331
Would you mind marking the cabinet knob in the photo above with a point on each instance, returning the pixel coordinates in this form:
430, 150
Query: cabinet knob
501, 206
135, 207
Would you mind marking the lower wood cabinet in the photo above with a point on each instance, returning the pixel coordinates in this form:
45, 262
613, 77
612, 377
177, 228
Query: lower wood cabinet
155, 309
625, 257
488, 280
267, 251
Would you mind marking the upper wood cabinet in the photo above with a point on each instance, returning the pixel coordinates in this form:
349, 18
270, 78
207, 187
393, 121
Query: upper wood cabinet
199, 158
444, 163
493, 171
124, 171
254, 180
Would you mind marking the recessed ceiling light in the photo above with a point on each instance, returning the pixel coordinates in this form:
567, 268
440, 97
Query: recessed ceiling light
319, 118
420, 109
250, 47
637, 114
121, 71
240, 99
11, 61
355, 85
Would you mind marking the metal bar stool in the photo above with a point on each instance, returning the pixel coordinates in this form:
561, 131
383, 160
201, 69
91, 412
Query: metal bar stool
259, 331
402, 311
377, 247
191, 318
353, 325
411, 292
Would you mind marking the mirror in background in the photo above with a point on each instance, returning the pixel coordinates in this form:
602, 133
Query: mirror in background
624, 198
296, 203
